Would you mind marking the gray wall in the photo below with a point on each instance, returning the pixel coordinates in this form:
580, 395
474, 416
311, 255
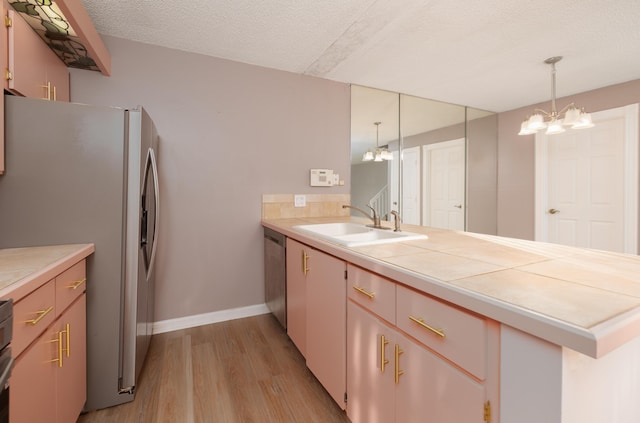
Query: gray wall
482, 175
482, 156
229, 132
367, 179
516, 155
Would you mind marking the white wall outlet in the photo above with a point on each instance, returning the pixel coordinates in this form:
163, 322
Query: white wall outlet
299, 200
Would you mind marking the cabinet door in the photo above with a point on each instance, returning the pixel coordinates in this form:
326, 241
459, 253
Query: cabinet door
32, 391
370, 377
36, 71
432, 390
71, 378
326, 322
4, 65
297, 294
26, 50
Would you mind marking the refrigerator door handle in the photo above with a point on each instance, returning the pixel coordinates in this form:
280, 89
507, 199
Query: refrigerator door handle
156, 188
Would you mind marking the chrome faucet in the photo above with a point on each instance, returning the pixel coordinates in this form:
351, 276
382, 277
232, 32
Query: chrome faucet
375, 218
396, 220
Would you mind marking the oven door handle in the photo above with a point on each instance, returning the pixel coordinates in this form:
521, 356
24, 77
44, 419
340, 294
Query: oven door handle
4, 378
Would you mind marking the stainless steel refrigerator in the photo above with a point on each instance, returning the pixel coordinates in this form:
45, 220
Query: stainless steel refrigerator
86, 174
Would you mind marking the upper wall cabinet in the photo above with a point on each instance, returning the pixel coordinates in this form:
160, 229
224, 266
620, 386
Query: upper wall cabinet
33, 69
66, 28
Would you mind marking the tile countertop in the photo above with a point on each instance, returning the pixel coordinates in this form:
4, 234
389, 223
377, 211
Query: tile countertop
23, 270
586, 300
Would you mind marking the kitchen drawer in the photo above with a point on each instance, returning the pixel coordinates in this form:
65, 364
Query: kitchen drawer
457, 335
32, 315
373, 292
70, 284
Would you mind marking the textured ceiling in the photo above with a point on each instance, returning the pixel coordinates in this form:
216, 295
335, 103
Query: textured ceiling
486, 54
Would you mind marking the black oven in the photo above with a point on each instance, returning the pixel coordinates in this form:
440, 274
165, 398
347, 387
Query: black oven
6, 361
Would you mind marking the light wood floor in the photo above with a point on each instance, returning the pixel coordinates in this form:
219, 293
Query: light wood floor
240, 371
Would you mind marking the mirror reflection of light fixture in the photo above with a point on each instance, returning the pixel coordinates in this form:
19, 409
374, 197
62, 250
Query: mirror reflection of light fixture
555, 123
381, 153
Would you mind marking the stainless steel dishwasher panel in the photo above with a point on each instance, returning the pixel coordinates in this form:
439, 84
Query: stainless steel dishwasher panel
275, 276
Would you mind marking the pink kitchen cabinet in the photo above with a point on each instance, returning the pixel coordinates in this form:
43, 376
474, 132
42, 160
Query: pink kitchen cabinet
326, 322
415, 371
370, 368
297, 294
71, 387
33, 69
316, 314
49, 380
4, 65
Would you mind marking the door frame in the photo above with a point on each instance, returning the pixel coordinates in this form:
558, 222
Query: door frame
630, 224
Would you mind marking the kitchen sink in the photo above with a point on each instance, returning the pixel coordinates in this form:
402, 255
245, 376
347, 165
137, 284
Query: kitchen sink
355, 234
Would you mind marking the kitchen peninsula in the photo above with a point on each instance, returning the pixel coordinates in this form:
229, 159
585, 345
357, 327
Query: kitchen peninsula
568, 318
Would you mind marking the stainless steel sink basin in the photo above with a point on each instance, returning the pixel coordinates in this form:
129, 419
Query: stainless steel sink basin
355, 234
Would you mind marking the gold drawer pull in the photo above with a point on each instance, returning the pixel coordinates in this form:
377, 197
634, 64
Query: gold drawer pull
41, 315
420, 321
76, 284
365, 292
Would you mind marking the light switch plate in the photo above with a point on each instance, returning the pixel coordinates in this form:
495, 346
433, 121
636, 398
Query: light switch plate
299, 200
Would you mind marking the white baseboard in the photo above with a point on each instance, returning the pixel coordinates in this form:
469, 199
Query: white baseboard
208, 318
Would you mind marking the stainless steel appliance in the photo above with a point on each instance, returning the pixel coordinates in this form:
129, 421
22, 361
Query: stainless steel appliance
275, 279
6, 361
85, 174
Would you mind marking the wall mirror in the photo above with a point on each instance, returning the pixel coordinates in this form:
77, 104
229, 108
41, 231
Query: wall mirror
442, 162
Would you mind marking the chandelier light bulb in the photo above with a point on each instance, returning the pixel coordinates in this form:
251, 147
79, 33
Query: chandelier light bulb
381, 154
554, 121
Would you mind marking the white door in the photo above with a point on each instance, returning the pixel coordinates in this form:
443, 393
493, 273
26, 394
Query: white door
444, 177
586, 184
411, 185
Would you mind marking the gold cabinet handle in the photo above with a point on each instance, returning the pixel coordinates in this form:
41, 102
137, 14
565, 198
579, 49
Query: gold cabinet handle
399, 372
363, 291
305, 263
76, 284
67, 330
420, 321
383, 361
41, 314
48, 88
60, 349
55, 97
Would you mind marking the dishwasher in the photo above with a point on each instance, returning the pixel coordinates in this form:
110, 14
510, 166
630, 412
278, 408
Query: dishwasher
275, 275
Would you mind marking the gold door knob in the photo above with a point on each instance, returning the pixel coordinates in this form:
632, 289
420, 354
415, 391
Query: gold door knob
553, 211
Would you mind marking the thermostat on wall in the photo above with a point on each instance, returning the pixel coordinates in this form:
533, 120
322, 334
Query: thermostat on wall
321, 178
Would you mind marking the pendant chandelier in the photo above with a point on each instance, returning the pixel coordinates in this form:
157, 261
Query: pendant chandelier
381, 153
555, 121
